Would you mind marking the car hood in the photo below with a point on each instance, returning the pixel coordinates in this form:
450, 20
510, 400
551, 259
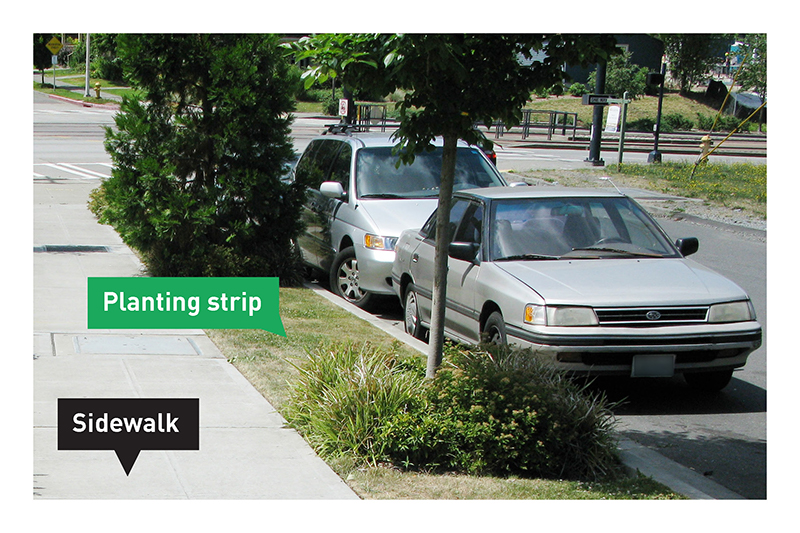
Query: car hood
391, 217
623, 282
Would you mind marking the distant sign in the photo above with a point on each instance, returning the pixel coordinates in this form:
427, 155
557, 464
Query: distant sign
612, 120
343, 107
597, 99
54, 45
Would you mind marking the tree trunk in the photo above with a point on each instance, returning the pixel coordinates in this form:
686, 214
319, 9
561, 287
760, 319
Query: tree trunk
440, 264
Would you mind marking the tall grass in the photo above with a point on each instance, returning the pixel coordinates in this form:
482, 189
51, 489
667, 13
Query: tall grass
344, 394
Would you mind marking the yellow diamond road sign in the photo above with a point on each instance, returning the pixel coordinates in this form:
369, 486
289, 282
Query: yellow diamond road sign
54, 45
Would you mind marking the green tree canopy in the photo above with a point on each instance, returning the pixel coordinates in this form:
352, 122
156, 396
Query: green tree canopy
196, 185
692, 56
622, 76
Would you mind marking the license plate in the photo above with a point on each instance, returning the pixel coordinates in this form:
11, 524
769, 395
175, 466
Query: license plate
653, 366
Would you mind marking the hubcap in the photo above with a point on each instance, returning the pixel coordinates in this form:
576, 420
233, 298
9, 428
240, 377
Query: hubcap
348, 281
411, 314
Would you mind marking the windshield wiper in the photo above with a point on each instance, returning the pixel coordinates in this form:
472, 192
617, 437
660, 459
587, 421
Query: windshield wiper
524, 257
383, 195
617, 251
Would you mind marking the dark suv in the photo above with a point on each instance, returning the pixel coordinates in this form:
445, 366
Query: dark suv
360, 199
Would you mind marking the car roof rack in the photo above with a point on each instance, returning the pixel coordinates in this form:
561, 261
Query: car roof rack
341, 127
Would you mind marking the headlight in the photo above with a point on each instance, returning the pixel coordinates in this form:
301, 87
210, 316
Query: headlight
376, 242
731, 312
559, 316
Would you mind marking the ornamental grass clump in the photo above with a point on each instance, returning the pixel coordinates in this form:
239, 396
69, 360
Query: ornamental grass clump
344, 395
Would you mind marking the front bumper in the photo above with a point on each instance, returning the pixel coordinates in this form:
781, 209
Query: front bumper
610, 351
375, 269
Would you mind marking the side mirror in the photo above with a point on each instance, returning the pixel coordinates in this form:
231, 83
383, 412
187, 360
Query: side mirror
687, 245
465, 251
332, 189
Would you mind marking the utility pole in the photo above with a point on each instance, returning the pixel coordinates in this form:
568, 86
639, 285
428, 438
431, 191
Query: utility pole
655, 155
86, 92
597, 118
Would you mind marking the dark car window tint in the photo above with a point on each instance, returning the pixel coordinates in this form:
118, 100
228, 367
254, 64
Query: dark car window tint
341, 167
315, 165
470, 228
456, 212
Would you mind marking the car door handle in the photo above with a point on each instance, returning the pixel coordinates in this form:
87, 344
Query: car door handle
414, 258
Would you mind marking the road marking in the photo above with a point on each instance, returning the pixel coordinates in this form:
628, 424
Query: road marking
74, 169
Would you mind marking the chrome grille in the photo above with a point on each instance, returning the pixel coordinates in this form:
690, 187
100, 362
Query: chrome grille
651, 316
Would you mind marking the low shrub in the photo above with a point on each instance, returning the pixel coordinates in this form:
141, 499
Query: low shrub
577, 89
495, 410
502, 411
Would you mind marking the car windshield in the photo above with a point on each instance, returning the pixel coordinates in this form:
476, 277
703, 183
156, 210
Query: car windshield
574, 228
378, 176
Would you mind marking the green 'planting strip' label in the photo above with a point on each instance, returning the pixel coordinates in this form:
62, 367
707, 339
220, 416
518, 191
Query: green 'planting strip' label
184, 303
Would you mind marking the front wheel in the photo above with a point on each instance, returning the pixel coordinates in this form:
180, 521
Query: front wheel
709, 381
344, 278
494, 331
411, 314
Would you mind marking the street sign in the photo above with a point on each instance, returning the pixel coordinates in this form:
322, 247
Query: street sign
597, 99
612, 120
343, 107
54, 45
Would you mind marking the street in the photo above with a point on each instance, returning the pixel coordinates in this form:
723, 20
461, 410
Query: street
722, 436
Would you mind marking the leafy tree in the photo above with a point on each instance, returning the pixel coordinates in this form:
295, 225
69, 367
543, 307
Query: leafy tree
691, 56
450, 83
196, 185
41, 55
621, 76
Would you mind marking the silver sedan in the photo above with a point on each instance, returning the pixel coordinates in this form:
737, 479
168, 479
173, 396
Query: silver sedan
585, 278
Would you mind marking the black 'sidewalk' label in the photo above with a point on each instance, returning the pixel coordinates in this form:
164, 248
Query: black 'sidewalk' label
128, 425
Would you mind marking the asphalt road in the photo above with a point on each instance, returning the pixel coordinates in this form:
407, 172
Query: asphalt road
722, 436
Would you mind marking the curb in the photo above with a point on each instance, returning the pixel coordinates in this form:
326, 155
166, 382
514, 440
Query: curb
82, 103
640, 459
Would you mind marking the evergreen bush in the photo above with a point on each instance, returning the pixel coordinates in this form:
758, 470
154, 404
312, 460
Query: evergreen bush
196, 185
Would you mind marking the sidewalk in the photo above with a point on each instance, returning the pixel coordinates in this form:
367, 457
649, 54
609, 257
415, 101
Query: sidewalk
245, 450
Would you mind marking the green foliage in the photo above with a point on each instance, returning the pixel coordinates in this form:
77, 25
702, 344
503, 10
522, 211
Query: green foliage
724, 183
345, 393
498, 411
502, 411
577, 89
723, 123
691, 56
621, 76
196, 185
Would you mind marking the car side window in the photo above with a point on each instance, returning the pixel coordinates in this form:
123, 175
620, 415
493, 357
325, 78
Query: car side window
470, 228
341, 167
314, 166
456, 212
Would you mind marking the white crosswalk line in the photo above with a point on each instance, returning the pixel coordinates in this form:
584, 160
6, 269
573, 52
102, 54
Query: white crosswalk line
67, 171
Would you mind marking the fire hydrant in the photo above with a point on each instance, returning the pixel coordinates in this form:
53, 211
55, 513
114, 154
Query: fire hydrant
97, 89
705, 145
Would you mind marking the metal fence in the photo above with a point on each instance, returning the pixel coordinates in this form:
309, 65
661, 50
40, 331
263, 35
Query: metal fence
539, 118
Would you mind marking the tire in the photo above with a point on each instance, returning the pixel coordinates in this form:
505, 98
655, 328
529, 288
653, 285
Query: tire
494, 331
709, 381
344, 278
411, 314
